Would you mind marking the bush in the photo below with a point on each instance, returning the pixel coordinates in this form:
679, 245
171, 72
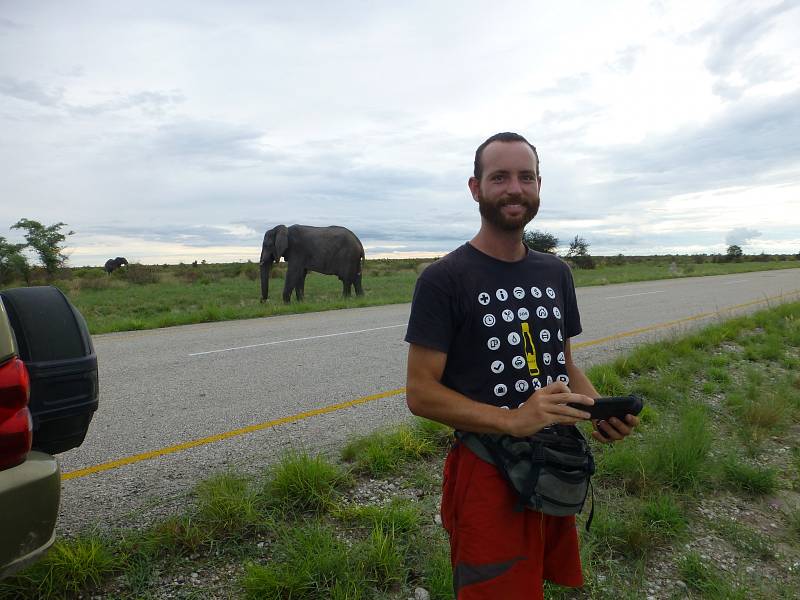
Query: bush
138, 274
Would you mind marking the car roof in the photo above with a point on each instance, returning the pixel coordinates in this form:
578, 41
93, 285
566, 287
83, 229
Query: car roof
7, 346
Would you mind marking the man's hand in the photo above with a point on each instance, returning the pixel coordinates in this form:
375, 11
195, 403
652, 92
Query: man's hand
547, 406
614, 429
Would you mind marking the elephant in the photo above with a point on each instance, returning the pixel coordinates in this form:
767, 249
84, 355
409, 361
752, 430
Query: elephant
330, 250
112, 264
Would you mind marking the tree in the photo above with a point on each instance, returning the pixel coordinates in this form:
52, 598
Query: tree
13, 264
47, 242
734, 253
579, 253
540, 240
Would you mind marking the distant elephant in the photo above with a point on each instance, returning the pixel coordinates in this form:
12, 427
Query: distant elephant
112, 264
329, 250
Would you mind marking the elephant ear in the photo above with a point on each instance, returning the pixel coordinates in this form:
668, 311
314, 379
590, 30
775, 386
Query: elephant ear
281, 241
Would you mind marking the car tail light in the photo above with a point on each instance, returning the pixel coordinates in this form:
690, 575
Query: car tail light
16, 431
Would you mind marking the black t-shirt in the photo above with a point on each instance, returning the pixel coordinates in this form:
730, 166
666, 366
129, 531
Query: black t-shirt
502, 325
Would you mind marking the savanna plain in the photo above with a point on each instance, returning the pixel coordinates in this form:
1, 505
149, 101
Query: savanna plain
703, 501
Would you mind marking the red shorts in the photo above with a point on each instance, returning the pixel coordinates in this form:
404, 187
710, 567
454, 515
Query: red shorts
498, 553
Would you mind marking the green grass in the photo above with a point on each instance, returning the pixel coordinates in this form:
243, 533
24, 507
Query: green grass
387, 452
677, 457
745, 539
304, 483
752, 480
228, 506
701, 577
308, 561
664, 517
152, 296
399, 515
67, 569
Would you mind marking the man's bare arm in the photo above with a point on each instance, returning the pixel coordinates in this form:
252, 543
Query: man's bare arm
428, 397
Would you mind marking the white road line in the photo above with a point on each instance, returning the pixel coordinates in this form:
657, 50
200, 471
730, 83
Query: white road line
302, 339
639, 294
735, 281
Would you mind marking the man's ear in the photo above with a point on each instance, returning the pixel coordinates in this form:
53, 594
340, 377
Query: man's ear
474, 187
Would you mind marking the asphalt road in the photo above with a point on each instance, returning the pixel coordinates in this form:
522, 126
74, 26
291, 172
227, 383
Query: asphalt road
168, 392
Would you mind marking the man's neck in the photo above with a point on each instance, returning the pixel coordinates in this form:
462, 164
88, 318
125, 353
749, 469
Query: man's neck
499, 244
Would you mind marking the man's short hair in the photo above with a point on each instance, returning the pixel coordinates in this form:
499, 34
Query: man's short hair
505, 136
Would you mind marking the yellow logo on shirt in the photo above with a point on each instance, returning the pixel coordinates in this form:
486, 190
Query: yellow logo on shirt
530, 350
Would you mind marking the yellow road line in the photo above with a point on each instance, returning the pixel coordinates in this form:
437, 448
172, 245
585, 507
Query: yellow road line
128, 460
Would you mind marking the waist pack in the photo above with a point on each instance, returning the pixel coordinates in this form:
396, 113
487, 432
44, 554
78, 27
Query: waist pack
550, 471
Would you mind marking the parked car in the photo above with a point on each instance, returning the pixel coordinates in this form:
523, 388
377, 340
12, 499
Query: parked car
48, 395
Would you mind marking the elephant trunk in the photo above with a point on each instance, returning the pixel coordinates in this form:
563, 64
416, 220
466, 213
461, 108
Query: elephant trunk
266, 269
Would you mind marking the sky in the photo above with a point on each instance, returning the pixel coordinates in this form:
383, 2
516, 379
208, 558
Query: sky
176, 131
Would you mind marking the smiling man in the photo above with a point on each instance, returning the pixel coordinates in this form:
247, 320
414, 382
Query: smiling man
489, 353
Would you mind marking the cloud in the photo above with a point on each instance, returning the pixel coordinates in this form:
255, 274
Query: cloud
741, 236
750, 142
8, 25
733, 36
150, 102
737, 54
625, 60
30, 91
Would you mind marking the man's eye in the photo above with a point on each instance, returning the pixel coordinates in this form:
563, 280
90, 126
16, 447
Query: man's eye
497, 178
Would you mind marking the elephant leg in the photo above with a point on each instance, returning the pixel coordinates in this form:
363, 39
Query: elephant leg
345, 288
287, 291
357, 285
300, 290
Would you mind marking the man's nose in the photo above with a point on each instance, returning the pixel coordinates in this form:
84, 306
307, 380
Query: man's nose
514, 185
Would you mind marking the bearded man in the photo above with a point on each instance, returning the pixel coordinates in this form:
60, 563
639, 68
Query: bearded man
489, 353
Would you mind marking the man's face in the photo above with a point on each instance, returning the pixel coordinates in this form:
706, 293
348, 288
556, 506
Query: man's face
508, 191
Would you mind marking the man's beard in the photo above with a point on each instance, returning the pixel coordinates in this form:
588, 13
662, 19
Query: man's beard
493, 213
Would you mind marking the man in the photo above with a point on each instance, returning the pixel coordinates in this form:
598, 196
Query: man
489, 353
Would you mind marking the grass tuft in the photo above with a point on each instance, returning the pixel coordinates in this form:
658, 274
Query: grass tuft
228, 506
664, 517
678, 457
754, 481
387, 452
300, 482
69, 568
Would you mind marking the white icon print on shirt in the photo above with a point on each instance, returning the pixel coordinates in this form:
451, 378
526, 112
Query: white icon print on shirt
560, 337
544, 335
536, 292
550, 293
493, 343
508, 315
488, 320
498, 366
519, 293
560, 358
523, 314
556, 312
546, 358
513, 338
502, 295
541, 312
521, 385
500, 389
518, 362
484, 298
563, 379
